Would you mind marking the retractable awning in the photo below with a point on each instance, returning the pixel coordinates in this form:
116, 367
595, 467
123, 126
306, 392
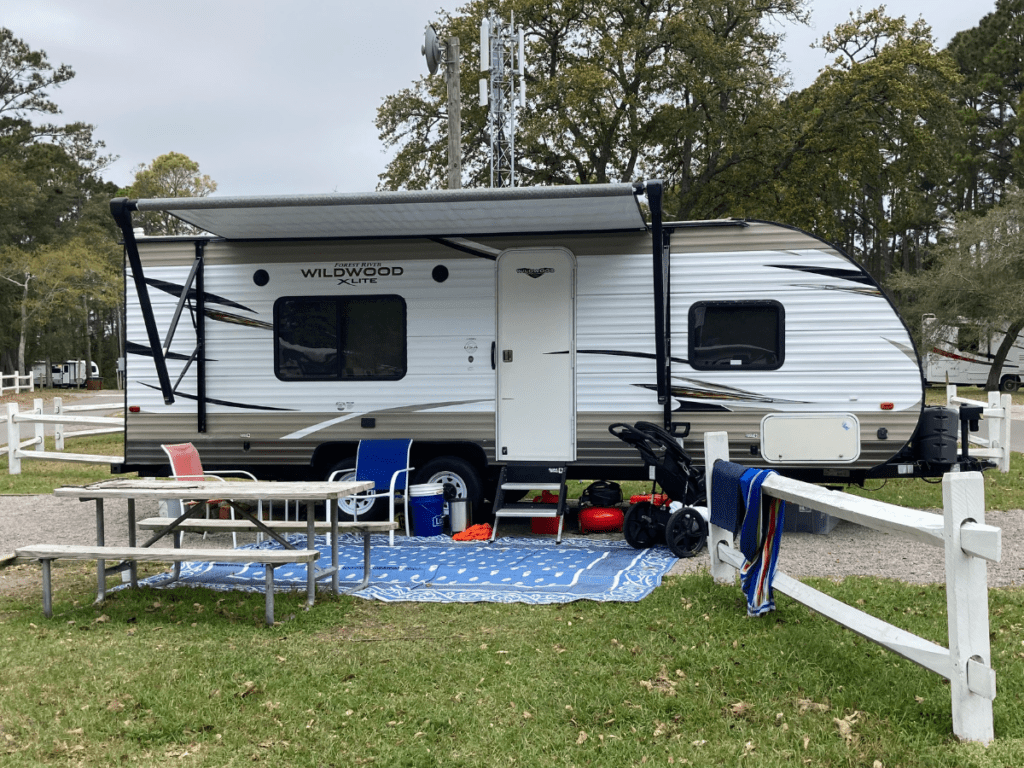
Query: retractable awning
443, 213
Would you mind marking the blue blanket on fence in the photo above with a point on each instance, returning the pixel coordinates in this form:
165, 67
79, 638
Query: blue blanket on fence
736, 505
437, 569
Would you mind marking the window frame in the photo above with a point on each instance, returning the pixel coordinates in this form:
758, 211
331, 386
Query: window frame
699, 365
339, 301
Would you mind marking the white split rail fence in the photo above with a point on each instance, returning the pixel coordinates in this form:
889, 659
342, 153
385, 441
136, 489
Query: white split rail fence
998, 410
968, 543
17, 448
17, 386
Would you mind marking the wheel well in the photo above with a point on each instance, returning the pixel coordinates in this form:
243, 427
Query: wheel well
425, 450
327, 454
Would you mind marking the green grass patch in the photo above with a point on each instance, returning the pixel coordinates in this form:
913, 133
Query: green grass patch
38, 477
683, 677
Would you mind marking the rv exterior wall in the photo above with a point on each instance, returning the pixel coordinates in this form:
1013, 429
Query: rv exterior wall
846, 350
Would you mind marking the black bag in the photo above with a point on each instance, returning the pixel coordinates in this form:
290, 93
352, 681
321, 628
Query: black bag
601, 494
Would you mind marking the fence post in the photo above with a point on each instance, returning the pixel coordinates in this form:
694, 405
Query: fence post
716, 446
17, 382
40, 428
1005, 429
972, 681
950, 394
32, 381
58, 429
13, 440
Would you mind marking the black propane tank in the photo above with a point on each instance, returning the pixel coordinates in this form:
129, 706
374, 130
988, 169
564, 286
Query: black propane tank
935, 439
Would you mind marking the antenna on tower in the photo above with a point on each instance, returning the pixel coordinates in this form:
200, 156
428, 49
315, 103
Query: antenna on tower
449, 56
502, 56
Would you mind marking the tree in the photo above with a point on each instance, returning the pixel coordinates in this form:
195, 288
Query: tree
991, 59
617, 90
871, 145
53, 229
976, 277
170, 175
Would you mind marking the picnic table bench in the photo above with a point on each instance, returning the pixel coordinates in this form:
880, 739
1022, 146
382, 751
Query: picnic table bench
268, 558
157, 489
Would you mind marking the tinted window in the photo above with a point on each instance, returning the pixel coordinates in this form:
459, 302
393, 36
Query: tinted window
737, 335
335, 338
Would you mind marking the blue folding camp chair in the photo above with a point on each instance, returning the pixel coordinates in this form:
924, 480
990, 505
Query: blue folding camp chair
386, 463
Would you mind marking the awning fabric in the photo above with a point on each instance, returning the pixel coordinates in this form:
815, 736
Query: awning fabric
434, 213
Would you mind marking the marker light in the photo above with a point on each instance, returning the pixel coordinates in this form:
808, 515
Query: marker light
887, 406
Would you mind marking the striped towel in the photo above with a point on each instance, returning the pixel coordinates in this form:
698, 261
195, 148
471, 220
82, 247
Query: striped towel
760, 536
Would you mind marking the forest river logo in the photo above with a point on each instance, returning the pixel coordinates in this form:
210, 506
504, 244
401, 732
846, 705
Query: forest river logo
353, 272
537, 272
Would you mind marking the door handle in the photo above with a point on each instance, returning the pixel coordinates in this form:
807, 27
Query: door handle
494, 347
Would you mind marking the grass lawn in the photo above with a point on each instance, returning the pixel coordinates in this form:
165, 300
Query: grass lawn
193, 677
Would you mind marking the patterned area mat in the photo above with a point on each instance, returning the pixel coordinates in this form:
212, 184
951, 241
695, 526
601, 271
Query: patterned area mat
437, 569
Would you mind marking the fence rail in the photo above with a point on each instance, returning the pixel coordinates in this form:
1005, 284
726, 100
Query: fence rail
17, 449
968, 544
17, 386
998, 411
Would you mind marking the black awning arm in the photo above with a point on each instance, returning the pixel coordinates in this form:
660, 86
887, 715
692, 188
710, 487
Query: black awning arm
654, 191
121, 209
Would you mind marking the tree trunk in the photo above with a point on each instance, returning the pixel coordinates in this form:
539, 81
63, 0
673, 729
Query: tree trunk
995, 374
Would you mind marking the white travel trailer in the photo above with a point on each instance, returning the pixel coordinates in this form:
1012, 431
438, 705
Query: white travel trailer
496, 326
69, 373
963, 355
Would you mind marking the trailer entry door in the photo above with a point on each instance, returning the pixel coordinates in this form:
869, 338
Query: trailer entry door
536, 355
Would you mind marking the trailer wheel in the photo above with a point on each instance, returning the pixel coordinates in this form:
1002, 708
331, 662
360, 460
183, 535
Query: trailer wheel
459, 473
349, 510
1009, 384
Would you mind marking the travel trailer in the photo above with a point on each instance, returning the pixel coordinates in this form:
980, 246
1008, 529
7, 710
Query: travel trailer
70, 373
962, 355
499, 326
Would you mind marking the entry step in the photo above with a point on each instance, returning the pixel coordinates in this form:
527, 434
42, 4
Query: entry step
531, 486
529, 510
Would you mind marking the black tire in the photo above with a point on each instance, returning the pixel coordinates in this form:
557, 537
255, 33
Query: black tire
640, 526
1009, 384
455, 472
686, 532
348, 511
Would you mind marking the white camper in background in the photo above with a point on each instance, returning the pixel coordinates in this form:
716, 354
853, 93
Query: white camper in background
963, 355
498, 326
70, 373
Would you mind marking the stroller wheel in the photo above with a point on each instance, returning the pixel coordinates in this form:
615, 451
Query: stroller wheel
686, 532
639, 527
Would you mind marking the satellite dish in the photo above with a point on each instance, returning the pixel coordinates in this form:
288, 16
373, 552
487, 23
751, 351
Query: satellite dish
431, 49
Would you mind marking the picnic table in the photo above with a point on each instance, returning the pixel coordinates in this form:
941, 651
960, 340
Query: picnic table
206, 491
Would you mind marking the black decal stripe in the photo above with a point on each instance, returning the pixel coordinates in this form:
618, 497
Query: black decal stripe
619, 353
853, 275
210, 298
466, 246
228, 403
227, 317
131, 348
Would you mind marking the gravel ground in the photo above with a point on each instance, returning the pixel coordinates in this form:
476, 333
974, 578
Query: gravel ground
847, 550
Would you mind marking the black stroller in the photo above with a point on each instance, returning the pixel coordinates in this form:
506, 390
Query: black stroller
646, 524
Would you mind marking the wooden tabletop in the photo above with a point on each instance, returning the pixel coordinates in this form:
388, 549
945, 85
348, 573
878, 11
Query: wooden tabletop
170, 488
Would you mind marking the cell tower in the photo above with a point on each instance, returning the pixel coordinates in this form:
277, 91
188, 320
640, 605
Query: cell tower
501, 55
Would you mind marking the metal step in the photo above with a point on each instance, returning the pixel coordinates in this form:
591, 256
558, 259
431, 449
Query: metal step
546, 510
531, 486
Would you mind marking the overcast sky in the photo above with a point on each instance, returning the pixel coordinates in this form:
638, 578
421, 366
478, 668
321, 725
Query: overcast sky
280, 97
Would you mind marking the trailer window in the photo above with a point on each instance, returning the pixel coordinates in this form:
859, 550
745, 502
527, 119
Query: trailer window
748, 335
340, 338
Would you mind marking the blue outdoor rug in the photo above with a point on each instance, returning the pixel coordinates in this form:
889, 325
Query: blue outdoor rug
438, 570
